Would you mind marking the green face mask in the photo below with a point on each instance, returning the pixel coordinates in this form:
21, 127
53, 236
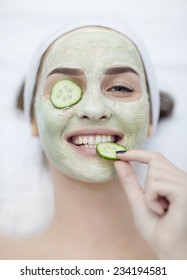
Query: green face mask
113, 106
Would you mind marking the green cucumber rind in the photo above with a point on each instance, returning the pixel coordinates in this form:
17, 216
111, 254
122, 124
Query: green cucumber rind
52, 98
67, 106
108, 143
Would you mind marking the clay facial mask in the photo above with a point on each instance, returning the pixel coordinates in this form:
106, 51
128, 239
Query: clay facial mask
114, 105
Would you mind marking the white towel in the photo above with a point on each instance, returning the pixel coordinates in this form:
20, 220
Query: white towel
26, 194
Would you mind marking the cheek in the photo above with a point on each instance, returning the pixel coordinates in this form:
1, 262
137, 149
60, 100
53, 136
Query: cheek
133, 119
51, 122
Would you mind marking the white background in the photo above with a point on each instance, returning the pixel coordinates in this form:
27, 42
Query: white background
173, 269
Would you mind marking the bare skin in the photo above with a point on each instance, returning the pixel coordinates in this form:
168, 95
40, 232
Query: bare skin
96, 221
91, 222
160, 208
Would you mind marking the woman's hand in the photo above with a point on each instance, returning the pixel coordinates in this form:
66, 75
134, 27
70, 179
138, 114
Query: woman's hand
160, 208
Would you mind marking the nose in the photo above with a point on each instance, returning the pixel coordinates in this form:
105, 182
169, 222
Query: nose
93, 107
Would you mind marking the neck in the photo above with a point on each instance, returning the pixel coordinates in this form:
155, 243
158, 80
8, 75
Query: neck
93, 220
90, 208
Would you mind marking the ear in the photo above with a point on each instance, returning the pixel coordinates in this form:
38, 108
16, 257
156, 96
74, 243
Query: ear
34, 128
150, 130
150, 126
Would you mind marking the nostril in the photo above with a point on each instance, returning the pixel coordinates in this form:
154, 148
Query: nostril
94, 112
85, 117
104, 117
93, 117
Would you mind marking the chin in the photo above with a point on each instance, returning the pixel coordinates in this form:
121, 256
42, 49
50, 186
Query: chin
98, 172
96, 180
94, 177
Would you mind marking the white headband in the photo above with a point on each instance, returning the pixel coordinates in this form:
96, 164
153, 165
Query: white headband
112, 23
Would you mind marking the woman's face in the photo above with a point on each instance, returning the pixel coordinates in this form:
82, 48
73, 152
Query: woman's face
114, 106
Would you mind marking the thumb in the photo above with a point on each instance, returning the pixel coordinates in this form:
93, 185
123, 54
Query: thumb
128, 180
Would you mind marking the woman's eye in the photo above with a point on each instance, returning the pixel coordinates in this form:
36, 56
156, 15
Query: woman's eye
120, 89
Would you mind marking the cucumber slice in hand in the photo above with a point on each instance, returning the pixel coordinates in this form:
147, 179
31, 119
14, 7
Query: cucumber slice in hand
65, 93
108, 150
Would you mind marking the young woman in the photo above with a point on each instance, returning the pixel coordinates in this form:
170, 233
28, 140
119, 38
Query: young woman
100, 210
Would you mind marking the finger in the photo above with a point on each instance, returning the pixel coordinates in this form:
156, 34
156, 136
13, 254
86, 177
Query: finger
154, 200
159, 205
164, 203
135, 194
128, 180
158, 193
138, 155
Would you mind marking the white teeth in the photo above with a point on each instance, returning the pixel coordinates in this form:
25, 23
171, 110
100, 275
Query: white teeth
92, 140
89, 146
104, 139
80, 140
85, 140
98, 139
76, 141
109, 139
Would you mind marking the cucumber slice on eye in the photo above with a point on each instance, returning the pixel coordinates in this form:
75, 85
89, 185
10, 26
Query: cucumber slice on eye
65, 93
108, 150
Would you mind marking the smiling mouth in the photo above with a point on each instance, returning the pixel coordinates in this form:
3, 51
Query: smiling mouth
90, 141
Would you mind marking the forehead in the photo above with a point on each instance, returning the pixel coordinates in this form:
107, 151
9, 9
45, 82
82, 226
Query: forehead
92, 45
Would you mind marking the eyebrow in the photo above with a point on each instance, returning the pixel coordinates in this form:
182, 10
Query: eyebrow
79, 72
120, 70
67, 71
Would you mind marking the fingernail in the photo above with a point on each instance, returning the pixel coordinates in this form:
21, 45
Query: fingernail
120, 152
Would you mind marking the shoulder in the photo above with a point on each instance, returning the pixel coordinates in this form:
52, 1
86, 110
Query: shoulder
23, 248
10, 247
4, 248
